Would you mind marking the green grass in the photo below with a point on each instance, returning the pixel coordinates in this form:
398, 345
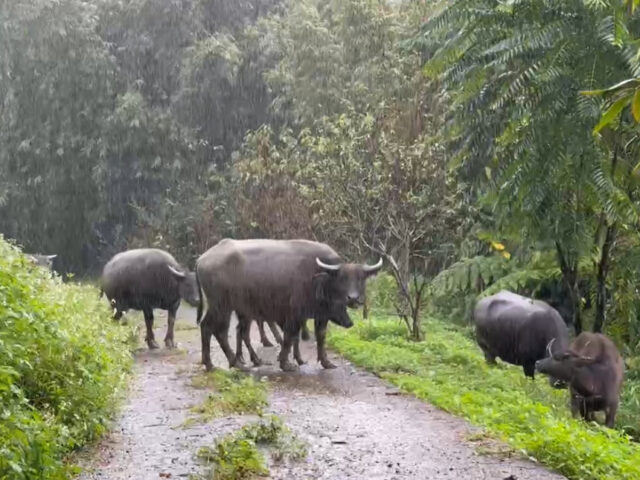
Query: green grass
234, 392
448, 370
63, 366
237, 456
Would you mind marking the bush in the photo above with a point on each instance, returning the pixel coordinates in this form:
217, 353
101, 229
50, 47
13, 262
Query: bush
382, 292
62, 364
449, 370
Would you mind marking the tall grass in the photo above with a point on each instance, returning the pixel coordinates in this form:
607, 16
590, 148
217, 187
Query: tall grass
448, 370
63, 363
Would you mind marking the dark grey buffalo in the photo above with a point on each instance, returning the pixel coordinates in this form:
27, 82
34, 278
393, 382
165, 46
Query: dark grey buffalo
518, 330
40, 260
148, 278
286, 281
594, 371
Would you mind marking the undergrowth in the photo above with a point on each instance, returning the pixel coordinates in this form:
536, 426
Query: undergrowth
63, 363
238, 455
448, 370
234, 392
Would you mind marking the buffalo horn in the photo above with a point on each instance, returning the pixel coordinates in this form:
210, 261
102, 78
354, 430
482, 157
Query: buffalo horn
332, 268
176, 272
373, 268
549, 346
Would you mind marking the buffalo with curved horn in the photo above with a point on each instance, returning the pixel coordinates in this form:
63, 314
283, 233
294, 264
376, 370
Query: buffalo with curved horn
282, 281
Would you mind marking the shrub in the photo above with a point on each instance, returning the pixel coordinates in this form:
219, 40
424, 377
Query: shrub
62, 364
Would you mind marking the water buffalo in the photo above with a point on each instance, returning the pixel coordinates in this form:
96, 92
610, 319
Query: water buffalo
593, 369
148, 278
40, 260
518, 330
286, 281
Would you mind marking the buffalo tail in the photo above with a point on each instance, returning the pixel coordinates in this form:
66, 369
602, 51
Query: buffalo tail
199, 298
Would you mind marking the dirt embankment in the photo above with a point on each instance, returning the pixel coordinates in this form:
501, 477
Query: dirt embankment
355, 425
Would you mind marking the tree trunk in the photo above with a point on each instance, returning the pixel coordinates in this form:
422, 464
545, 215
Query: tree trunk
416, 331
601, 277
570, 279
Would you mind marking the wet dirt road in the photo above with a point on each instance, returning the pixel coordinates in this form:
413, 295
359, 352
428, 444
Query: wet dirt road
355, 425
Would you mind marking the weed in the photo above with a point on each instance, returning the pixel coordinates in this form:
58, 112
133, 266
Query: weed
448, 370
237, 456
63, 365
234, 392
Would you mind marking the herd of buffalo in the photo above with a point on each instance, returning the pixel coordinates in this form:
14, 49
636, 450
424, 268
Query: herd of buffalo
287, 282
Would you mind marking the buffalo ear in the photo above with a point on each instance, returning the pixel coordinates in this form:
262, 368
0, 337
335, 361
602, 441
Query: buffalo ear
319, 282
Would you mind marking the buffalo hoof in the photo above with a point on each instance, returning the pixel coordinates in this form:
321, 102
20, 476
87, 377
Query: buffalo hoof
266, 343
208, 367
257, 361
152, 344
327, 364
288, 367
170, 343
242, 367
300, 361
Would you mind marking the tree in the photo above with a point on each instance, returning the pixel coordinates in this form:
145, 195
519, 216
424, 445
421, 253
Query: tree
522, 131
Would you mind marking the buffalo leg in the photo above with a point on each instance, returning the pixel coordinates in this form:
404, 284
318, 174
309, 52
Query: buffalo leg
244, 329
205, 333
117, 315
305, 331
575, 406
296, 350
239, 358
275, 331
529, 369
321, 333
283, 357
263, 335
171, 321
148, 320
221, 332
489, 358
611, 411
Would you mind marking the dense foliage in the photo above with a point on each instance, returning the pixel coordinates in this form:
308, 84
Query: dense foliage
449, 370
63, 363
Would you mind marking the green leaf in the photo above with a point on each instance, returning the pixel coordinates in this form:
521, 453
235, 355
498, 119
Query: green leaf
635, 106
612, 113
625, 84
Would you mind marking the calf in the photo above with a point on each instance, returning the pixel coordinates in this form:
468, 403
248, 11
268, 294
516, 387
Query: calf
593, 369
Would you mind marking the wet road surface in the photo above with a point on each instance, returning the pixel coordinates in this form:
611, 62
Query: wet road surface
355, 425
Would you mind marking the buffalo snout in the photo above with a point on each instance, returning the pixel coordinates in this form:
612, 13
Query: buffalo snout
347, 323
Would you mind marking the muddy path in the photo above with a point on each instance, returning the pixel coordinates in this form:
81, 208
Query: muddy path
355, 425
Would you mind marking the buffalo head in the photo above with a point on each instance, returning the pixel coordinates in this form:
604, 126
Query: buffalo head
42, 260
563, 366
187, 285
340, 286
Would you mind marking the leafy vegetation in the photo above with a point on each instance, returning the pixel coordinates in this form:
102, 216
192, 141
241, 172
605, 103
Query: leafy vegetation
237, 456
63, 365
235, 392
448, 370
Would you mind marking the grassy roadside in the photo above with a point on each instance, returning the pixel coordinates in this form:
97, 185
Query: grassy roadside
448, 370
63, 365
